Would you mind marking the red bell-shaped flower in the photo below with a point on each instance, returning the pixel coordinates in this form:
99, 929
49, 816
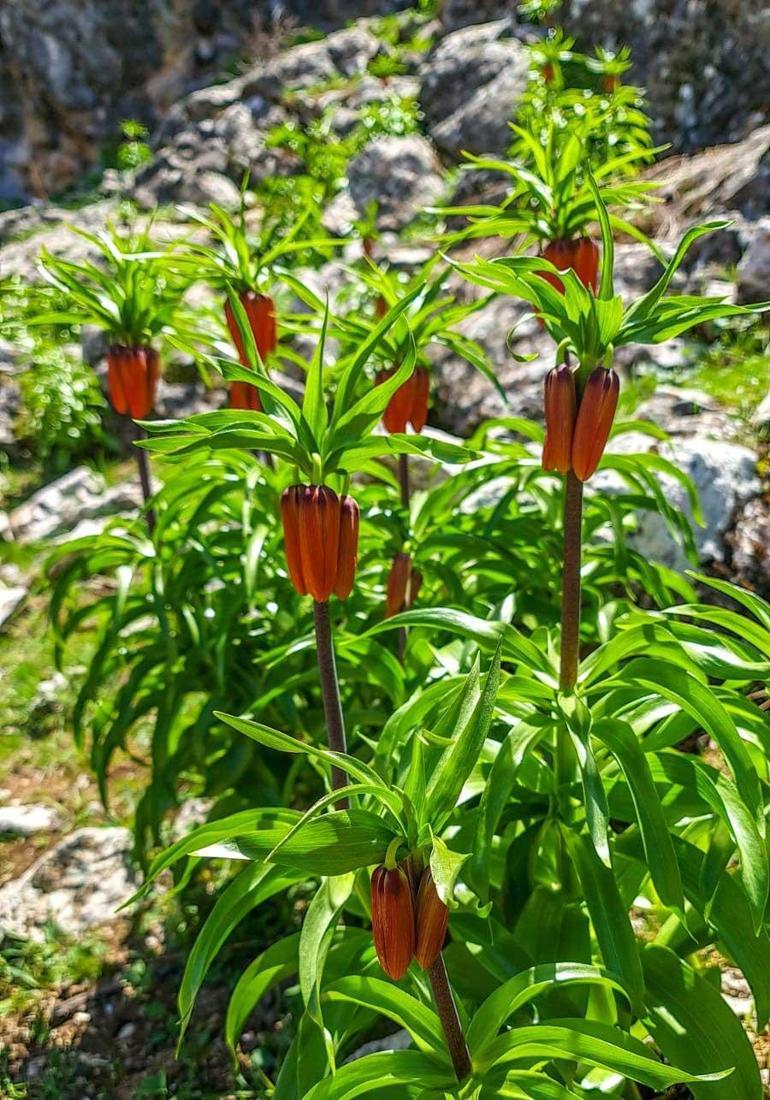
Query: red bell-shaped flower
596, 413
260, 312
321, 540
132, 379
409, 404
393, 927
560, 413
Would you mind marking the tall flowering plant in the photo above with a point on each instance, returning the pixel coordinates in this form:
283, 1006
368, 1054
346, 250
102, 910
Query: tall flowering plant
133, 290
243, 261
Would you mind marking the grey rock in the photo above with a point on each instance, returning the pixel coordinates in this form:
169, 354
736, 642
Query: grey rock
725, 477
345, 52
725, 178
10, 401
471, 85
455, 14
208, 187
175, 400
749, 544
761, 416
703, 63
28, 820
12, 598
400, 175
754, 268
59, 506
77, 885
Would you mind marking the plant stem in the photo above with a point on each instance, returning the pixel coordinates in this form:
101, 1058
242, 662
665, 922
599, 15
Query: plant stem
570, 600
403, 479
142, 462
450, 1021
330, 689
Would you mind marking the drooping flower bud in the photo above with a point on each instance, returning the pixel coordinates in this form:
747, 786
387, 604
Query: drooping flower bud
581, 255
560, 413
399, 408
132, 379
245, 396
393, 927
585, 261
596, 413
420, 394
321, 538
260, 313
409, 404
290, 509
431, 922
403, 584
348, 548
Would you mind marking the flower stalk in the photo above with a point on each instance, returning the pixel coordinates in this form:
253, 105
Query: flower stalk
450, 1020
330, 691
570, 607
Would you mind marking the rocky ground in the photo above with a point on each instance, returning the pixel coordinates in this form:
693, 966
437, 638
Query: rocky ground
109, 1030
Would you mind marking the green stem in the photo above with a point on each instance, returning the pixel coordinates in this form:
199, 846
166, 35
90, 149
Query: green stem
450, 1020
330, 690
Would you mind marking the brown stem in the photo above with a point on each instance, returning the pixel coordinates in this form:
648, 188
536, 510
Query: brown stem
570, 605
403, 479
330, 689
450, 1021
142, 462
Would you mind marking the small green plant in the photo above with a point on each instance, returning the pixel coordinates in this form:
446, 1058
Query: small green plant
62, 405
133, 151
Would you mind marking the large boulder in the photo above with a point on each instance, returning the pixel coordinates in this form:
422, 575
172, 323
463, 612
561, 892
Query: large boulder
471, 85
397, 175
754, 268
703, 63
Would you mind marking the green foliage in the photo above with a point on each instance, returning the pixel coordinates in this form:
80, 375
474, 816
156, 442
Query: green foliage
133, 151
547, 806
62, 408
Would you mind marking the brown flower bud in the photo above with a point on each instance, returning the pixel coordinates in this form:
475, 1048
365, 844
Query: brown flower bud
393, 920
132, 379
431, 922
260, 313
290, 506
348, 548
321, 539
560, 413
409, 404
581, 255
596, 413
403, 583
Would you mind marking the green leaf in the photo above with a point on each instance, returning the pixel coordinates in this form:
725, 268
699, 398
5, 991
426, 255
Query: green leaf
248, 890
459, 758
274, 965
597, 1044
445, 866
392, 1001
314, 943
661, 858
694, 1027
609, 916
382, 1071
518, 991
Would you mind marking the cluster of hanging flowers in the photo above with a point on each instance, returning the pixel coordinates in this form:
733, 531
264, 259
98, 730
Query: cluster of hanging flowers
404, 582
405, 927
409, 404
321, 539
577, 427
581, 255
260, 312
132, 379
